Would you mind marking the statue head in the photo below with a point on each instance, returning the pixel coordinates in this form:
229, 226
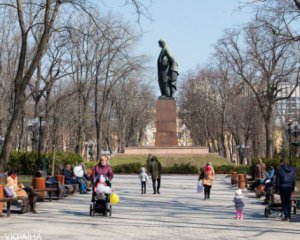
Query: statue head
161, 43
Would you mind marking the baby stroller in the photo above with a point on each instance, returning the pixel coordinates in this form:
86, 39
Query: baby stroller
273, 204
100, 202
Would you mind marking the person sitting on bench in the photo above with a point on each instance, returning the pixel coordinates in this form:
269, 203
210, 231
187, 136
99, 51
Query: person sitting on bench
70, 179
20, 190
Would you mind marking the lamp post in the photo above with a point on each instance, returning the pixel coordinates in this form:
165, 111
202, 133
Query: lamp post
32, 126
36, 126
290, 121
39, 160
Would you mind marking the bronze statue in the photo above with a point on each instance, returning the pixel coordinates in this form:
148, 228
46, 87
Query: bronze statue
167, 71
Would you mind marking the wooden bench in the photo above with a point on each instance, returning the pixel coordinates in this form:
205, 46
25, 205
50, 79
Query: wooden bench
48, 190
8, 202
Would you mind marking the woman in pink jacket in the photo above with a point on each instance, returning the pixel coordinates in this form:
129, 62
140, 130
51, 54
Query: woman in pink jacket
103, 168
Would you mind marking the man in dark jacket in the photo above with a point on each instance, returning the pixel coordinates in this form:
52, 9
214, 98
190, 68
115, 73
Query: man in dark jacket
155, 171
285, 183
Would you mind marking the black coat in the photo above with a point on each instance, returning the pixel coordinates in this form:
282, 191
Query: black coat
286, 177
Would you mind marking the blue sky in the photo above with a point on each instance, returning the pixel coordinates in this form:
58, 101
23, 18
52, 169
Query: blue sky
190, 27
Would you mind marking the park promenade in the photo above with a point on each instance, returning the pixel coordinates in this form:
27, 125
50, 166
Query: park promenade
179, 212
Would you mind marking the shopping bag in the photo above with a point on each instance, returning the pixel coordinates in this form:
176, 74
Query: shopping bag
199, 187
8, 192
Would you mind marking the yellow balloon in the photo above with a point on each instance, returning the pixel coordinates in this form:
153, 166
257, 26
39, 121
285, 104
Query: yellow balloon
114, 198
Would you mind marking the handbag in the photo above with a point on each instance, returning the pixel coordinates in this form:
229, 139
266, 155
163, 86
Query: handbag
199, 187
9, 192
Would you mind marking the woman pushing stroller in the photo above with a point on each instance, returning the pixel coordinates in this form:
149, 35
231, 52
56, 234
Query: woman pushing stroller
102, 169
101, 182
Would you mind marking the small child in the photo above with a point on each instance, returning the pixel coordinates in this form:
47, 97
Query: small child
143, 178
239, 204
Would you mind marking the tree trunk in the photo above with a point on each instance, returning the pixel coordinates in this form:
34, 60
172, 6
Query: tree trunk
7, 147
269, 140
21, 79
79, 121
268, 129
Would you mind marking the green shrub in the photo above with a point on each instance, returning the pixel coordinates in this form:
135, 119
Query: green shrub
90, 165
62, 158
128, 168
25, 162
227, 169
183, 168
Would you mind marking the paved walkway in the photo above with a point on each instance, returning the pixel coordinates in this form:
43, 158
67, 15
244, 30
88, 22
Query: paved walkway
177, 213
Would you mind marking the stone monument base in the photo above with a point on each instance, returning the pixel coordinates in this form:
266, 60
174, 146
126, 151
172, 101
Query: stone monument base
166, 150
166, 127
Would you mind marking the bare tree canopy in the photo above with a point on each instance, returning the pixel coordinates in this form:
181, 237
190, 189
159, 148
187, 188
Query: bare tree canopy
57, 43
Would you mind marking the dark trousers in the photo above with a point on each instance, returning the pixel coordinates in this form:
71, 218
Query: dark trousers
143, 185
156, 189
32, 198
285, 196
206, 191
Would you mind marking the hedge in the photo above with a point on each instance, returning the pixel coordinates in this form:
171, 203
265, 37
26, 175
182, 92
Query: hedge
183, 168
227, 169
25, 162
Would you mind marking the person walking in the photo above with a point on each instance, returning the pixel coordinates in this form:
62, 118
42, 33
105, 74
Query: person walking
148, 161
285, 184
260, 170
239, 204
155, 171
143, 178
208, 178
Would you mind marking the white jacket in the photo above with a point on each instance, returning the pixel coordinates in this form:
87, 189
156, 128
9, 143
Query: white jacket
143, 177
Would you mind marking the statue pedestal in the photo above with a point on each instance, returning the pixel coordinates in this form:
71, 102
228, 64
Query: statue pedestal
166, 127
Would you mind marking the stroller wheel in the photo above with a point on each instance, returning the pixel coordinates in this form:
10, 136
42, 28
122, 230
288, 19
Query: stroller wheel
106, 213
91, 210
110, 211
267, 212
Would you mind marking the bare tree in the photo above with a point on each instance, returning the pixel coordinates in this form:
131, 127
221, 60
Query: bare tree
37, 17
267, 64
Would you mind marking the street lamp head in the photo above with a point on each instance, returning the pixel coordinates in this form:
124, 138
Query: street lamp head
290, 122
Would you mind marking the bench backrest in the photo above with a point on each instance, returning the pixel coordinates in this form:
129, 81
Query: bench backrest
3, 178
